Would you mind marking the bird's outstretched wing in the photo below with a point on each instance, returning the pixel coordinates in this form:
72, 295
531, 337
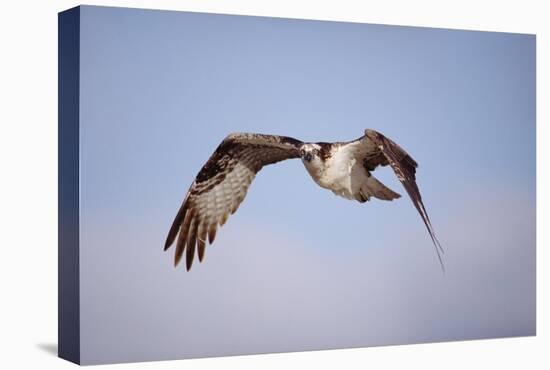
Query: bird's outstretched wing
221, 186
378, 150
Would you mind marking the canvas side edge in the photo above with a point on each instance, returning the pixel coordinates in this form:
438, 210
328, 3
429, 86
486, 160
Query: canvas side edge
68, 185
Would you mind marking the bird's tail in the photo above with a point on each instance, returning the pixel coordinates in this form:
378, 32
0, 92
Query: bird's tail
373, 187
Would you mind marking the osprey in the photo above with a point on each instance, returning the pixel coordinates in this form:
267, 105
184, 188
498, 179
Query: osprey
345, 168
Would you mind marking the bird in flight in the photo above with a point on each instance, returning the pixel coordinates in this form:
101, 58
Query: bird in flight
345, 168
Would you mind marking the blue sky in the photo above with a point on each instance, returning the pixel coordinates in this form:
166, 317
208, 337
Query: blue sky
297, 267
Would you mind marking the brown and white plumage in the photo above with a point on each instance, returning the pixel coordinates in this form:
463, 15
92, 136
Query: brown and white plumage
221, 186
404, 167
342, 167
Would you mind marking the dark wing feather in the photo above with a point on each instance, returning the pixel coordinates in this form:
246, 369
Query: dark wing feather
384, 151
221, 186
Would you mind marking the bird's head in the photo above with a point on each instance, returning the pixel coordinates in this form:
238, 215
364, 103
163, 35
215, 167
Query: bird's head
307, 152
310, 154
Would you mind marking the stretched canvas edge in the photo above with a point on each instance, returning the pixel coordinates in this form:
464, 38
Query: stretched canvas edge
68, 185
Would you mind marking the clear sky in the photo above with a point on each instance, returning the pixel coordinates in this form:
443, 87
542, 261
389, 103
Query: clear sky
296, 267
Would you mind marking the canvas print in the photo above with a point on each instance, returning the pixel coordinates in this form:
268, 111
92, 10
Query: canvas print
236, 185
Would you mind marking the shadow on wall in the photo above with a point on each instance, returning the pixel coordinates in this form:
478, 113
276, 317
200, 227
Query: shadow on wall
49, 348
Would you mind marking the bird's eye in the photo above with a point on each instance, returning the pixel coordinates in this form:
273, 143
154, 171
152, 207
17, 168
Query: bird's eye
302, 152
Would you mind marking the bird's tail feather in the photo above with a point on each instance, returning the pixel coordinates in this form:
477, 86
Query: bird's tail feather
375, 188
